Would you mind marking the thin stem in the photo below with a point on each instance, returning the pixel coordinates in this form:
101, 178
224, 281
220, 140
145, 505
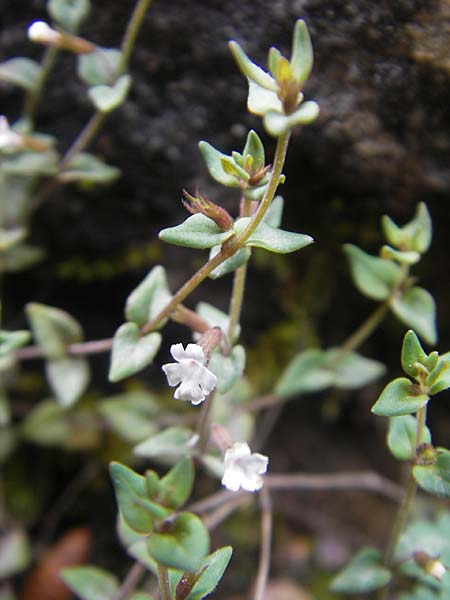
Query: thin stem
266, 542
405, 507
131, 33
33, 96
164, 585
84, 138
203, 423
130, 582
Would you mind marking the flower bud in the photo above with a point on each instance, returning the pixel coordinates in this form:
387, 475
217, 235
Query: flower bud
200, 204
432, 566
42, 33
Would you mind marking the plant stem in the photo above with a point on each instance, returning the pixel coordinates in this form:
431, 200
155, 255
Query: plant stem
130, 582
203, 423
266, 541
131, 33
364, 330
405, 507
164, 585
33, 96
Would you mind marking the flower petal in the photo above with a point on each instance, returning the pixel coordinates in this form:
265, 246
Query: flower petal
195, 352
190, 392
207, 381
173, 373
178, 352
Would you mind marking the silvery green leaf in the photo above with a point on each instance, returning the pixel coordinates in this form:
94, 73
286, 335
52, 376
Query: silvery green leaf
11, 340
412, 352
261, 101
276, 123
31, 163
99, 67
131, 352
365, 573
149, 297
302, 53
213, 159
353, 370
171, 443
254, 148
23, 72
257, 193
130, 415
417, 309
68, 378
272, 238
250, 70
215, 317
415, 236
22, 257
88, 168
439, 378
11, 237
227, 369
69, 13
90, 583
398, 398
307, 372
274, 212
53, 329
401, 438
374, 277
435, 478
47, 424
230, 264
231, 167
197, 231
15, 552
108, 97
404, 258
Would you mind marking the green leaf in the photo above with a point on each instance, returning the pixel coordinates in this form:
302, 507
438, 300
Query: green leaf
272, 238
254, 148
131, 352
374, 277
353, 370
47, 424
170, 443
213, 159
412, 352
404, 258
302, 54
307, 372
439, 378
401, 437
274, 212
250, 70
28, 164
399, 398
131, 495
150, 296
277, 123
130, 415
69, 13
11, 237
99, 67
261, 101
230, 264
21, 257
68, 378
197, 231
11, 340
211, 570
176, 486
415, 236
109, 97
184, 546
215, 317
15, 553
86, 167
53, 328
416, 308
23, 72
363, 574
231, 167
435, 478
90, 583
227, 369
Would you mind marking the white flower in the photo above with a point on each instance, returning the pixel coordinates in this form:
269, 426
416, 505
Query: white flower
9, 139
196, 380
436, 569
41, 32
242, 469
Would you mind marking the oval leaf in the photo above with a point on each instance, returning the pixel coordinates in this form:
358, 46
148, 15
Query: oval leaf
196, 231
131, 352
398, 398
363, 574
150, 296
416, 308
68, 378
401, 437
374, 277
272, 238
53, 328
307, 372
90, 583
435, 478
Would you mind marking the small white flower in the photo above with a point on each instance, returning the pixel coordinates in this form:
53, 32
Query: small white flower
196, 380
242, 469
9, 139
436, 569
41, 32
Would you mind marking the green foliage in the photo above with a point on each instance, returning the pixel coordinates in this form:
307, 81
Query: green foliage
196, 231
363, 574
15, 552
272, 238
69, 14
375, 277
68, 378
53, 329
399, 397
227, 369
401, 438
168, 445
208, 574
434, 476
147, 300
413, 237
416, 308
90, 583
87, 168
107, 98
11, 340
99, 67
131, 352
130, 415
23, 72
